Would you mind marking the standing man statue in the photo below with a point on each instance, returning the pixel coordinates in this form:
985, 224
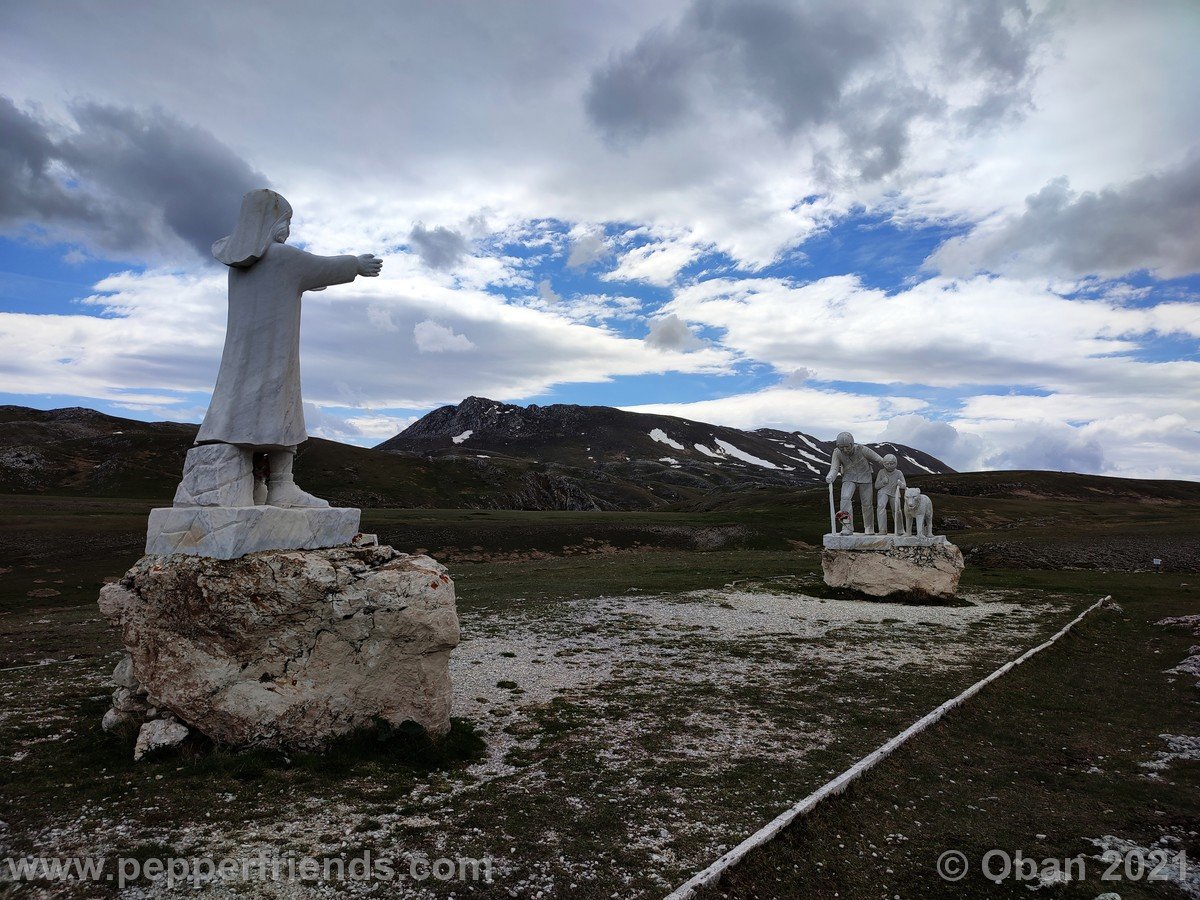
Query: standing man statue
853, 462
256, 405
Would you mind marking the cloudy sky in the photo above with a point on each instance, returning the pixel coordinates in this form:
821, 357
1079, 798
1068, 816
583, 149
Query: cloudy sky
971, 227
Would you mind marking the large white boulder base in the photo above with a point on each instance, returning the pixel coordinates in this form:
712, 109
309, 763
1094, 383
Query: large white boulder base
284, 648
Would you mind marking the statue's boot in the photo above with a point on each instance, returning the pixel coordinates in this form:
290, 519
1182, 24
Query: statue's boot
281, 487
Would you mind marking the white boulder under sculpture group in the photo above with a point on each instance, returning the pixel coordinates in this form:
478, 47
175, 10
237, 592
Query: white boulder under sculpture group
260, 616
884, 568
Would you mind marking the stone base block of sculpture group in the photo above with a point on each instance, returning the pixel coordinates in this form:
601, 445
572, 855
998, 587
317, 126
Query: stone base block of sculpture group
227, 532
886, 565
879, 541
283, 649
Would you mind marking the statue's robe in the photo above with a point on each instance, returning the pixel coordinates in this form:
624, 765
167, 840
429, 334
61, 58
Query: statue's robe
256, 402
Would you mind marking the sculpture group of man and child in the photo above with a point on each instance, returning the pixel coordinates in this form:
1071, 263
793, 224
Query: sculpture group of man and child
910, 509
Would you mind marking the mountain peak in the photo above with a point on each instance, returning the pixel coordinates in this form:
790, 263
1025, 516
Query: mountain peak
632, 445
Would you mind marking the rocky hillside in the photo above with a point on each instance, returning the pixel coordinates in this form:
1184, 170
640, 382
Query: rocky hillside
645, 448
81, 451
479, 454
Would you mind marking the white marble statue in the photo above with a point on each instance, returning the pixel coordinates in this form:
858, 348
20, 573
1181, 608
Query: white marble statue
853, 462
256, 405
889, 483
918, 510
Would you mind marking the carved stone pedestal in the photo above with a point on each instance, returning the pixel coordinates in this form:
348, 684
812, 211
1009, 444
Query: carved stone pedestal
214, 513
227, 532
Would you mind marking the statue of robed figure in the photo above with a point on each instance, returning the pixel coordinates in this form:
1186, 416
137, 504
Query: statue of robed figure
256, 404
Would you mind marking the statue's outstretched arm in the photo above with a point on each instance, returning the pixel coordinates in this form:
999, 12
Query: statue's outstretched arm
322, 271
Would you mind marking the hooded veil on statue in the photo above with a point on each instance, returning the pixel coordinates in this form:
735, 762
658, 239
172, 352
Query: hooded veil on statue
262, 212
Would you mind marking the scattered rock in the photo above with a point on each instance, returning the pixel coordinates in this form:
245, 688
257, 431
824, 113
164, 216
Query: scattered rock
1177, 870
1180, 747
158, 735
924, 571
1192, 622
286, 648
122, 675
115, 719
1191, 663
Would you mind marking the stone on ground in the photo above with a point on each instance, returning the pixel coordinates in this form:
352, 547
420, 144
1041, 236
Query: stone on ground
157, 735
285, 648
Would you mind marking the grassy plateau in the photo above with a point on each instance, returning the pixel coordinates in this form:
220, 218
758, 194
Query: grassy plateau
636, 692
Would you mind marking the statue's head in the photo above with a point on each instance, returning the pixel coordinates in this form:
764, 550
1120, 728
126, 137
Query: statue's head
890, 462
265, 219
845, 441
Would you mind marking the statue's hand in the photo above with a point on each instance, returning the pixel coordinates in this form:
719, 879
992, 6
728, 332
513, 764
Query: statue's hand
829, 479
369, 264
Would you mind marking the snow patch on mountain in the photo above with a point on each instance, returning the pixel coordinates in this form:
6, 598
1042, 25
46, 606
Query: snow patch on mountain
918, 465
810, 456
733, 451
806, 464
459, 438
663, 438
806, 440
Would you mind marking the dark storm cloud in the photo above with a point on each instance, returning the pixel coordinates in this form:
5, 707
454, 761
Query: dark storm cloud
438, 247
1152, 223
124, 182
642, 91
811, 65
994, 37
672, 333
995, 40
795, 60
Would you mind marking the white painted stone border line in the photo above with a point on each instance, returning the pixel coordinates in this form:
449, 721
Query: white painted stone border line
837, 785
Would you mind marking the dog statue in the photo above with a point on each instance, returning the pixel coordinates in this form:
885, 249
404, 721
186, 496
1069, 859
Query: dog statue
918, 509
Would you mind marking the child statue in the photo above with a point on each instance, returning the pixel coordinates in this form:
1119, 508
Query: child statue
889, 482
256, 405
853, 461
